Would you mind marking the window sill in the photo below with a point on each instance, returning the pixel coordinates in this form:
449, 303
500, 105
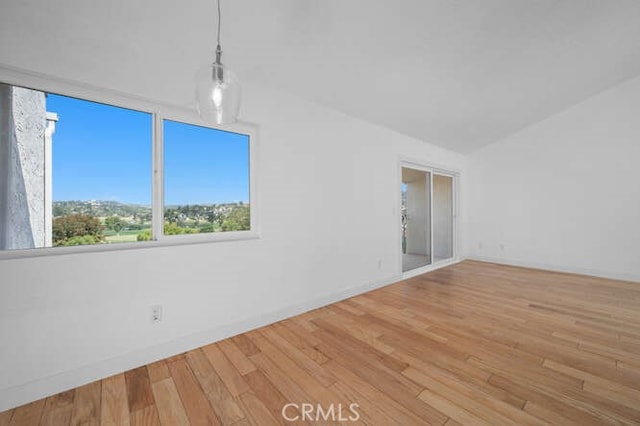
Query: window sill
164, 241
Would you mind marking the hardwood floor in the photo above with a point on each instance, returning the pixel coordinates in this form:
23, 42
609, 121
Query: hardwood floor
474, 343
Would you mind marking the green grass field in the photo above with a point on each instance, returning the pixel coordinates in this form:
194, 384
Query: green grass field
124, 237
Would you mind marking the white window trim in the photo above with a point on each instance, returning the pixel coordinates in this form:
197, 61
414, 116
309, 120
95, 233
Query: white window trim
158, 176
159, 112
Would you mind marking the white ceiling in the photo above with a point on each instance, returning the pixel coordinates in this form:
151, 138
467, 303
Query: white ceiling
457, 73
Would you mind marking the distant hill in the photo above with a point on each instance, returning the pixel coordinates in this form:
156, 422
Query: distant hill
190, 218
101, 208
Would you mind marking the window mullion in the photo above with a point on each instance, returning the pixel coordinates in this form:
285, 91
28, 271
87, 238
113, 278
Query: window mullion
158, 179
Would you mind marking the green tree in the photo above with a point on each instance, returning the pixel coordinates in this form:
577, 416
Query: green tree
114, 223
215, 217
79, 241
58, 210
175, 229
66, 228
144, 235
207, 227
237, 220
169, 229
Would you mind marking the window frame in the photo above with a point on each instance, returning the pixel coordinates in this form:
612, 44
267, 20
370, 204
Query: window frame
159, 112
158, 172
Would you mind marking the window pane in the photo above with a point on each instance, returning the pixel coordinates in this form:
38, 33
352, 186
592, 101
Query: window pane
206, 174
74, 172
442, 217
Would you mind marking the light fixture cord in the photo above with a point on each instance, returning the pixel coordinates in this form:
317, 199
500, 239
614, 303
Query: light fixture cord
218, 73
218, 22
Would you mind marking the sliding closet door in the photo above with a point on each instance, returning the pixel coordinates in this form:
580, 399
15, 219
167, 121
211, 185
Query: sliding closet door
416, 218
443, 215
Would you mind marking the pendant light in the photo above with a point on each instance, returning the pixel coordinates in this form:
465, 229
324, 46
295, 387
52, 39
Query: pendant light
217, 90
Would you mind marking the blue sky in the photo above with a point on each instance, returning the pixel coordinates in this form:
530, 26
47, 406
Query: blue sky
204, 166
102, 152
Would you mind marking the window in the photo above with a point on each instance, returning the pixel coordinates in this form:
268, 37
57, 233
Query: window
79, 173
206, 180
101, 166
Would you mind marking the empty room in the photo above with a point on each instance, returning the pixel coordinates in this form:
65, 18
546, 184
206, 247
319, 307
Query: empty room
243, 212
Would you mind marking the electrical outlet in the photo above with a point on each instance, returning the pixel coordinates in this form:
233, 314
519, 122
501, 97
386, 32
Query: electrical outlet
501, 247
379, 263
156, 313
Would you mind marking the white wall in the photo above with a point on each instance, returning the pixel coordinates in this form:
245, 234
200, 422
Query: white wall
564, 194
329, 207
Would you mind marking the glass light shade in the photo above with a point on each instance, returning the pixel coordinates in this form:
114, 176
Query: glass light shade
217, 94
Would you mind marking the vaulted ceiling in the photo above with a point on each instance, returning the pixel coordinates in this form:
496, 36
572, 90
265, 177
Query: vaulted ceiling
457, 73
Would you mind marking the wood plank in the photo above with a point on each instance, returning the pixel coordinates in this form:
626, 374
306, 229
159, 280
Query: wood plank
450, 409
471, 398
350, 307
532, 373
363, 410
270, 396
168, 403
158, 371
57, 409
300, 343
425, 359
217, 393
308, 383
363, 330
258, 413
599, 385
548, 414
147, 416
301, 332
338, 347
5, 417
301, 359
404, 391
60, 400
335, 335
467, 376
245, 345
139, 393
195, 402
374, 397
58, 417
236, 357
28, 414
606, 409
114, 403
211, 383
280, 379
86, 405
230, 376
537, 398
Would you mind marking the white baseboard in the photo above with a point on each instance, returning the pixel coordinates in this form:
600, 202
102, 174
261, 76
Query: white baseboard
560, 268
21, 394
